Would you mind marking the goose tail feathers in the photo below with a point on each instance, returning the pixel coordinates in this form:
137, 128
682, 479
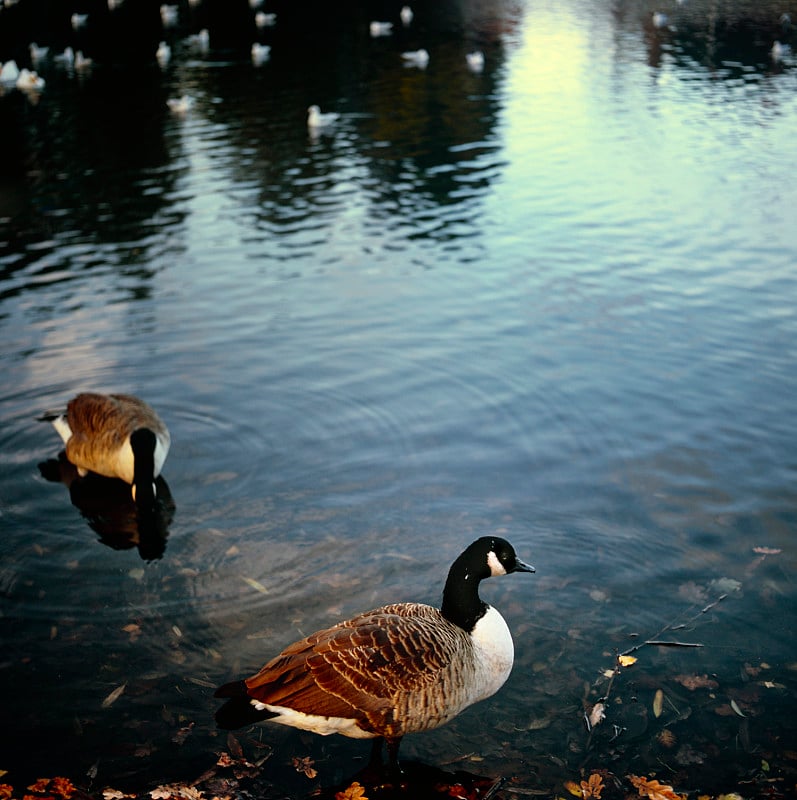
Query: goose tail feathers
238, 711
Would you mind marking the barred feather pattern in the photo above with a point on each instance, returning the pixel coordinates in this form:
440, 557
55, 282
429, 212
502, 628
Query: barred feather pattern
395, 670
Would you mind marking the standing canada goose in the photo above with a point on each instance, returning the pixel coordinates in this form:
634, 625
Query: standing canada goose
115, 435
398, 669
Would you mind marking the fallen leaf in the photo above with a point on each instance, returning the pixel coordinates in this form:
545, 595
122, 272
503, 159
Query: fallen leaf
182, 734
63, 787
305, 765
658, 703
597, 715
40, 785
573, 788
353, 792
693, 682
736, 708
113, 696
113, 794
256, 585
626, 661
767, 551
654, 790
161, 793
592, 787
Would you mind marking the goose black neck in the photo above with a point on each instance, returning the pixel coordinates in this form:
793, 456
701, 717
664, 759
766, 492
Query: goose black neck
142, 442
461, 602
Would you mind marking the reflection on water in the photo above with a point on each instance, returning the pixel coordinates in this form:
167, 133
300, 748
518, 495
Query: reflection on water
108, 507
554, 299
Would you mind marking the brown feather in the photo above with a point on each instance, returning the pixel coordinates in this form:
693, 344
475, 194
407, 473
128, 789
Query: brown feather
380, 668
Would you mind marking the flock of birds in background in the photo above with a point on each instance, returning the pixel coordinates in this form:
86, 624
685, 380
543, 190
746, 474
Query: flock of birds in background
29, 80
397, 669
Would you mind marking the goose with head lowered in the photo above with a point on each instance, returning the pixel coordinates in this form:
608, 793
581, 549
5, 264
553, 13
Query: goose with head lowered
398, 669
115, 435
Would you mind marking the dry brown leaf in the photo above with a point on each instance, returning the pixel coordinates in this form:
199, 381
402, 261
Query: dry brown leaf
113, 696
654, 790
597, 715
658, 703
592, 787
305, 765
693, 682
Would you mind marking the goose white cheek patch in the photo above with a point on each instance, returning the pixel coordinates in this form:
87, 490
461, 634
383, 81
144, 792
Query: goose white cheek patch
496, 567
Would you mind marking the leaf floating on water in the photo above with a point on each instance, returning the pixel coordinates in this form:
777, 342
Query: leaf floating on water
113, 696
626, 661
658, 703
592, 787
736, 708
256, 585
767, 551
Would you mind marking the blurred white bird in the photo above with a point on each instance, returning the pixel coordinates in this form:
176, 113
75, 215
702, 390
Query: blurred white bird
9, 72
163, 54
380, 28
263, 20
180, 105
82, 62
67, 58
29, 80
406, 15
37, 53
659, 19
779, 50
316, 120
168, 15
79, 21
200, 40
260, 53
416, 58
475, 60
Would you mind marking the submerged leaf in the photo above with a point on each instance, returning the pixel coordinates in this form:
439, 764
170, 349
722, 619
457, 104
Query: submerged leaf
592, 787
597, 715
113, 696
256, 585
693, 682
658, 703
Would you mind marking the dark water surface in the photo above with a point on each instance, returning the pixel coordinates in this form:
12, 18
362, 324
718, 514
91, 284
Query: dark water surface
554, 300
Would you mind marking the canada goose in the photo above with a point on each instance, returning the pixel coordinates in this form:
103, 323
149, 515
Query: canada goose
398, 669
115, 435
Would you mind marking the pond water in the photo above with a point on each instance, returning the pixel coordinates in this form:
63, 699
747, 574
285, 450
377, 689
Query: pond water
554, 300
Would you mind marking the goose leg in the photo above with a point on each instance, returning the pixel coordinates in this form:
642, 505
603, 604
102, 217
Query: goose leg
392, 755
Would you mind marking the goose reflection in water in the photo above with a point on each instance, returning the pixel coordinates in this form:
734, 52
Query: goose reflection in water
110, 511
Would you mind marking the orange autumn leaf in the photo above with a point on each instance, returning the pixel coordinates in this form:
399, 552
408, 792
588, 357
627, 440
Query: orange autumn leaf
573, 788
654, 790
40, 785
6, 790
63, 787
626, 661
353, 792
592, 787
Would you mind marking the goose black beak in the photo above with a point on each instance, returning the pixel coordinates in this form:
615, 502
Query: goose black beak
522, 566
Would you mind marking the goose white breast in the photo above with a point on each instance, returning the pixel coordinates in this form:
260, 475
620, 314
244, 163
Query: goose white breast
398, 669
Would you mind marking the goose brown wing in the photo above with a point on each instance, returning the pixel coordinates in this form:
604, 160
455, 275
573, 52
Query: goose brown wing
358, 668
